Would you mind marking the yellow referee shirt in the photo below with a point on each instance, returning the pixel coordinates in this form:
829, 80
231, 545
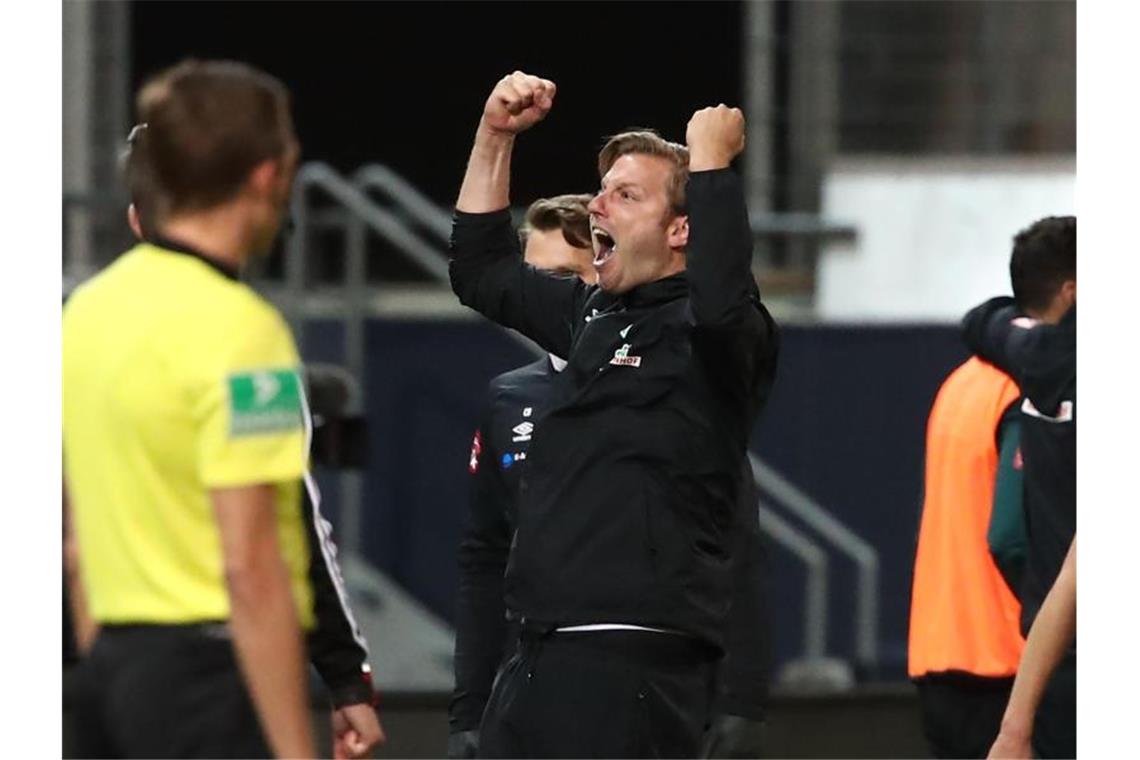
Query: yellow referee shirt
177, 379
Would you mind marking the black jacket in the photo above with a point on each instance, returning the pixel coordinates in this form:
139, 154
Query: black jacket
626, 506
1043, 360
484, 637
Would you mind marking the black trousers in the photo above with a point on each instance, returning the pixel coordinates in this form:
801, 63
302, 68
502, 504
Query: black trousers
1055, 725
162, 691
961, 712
601, 694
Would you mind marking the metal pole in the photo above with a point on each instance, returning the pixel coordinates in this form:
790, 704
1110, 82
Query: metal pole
356, 284
758, 110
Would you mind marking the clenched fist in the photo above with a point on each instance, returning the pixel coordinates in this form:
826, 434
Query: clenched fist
715, 136
518, 102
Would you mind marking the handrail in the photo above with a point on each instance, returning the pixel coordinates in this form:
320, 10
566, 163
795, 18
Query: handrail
319, 174
864, 555
815, 585
407, 196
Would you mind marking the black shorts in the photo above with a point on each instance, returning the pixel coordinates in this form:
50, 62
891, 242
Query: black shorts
162, 691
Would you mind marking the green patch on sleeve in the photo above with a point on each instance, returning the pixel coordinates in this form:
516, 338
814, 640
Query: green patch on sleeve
264, 401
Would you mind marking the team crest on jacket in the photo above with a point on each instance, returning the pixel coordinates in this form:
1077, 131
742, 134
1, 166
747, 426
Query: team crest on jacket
476, 450
623, 359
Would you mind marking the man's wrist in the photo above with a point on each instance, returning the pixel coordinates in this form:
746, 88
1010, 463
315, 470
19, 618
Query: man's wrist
701, 160
1017, 729
354, 691
488, 136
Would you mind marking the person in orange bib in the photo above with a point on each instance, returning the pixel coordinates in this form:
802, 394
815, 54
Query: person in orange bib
964, 643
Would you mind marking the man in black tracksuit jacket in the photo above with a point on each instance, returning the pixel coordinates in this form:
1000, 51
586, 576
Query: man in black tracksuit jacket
1042, 358
484, 636
619, 571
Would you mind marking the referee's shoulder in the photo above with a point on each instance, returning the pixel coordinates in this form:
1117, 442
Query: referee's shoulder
243, 308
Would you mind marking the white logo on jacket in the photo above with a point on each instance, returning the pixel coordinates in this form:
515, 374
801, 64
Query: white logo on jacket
522, 431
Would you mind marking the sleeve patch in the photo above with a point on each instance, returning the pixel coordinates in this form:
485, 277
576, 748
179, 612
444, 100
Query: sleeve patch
264, 401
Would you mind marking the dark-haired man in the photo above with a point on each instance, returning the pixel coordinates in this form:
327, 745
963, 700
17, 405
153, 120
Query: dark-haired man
186, 441
1041, 355
619, 570
555, 238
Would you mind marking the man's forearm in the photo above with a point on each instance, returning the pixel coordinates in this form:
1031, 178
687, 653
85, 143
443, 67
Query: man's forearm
487, 182
720, 250
267, 640
989, 332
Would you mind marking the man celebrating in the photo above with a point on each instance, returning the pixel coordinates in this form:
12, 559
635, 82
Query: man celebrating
619, 570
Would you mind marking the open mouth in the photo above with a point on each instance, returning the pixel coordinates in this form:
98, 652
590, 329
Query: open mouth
604, 246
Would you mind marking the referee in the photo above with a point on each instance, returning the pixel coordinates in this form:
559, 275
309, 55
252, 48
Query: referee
185, 444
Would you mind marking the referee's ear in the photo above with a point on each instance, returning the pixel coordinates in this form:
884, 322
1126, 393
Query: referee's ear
265, 178
133, 222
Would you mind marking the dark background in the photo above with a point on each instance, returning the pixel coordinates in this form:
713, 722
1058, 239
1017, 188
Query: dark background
404, 83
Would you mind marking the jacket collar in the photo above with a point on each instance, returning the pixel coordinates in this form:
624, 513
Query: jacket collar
657, 292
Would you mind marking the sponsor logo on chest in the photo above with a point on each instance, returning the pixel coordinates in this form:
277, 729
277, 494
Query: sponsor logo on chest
623, 359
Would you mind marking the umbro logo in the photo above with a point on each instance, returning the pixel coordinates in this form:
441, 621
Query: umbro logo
522, 431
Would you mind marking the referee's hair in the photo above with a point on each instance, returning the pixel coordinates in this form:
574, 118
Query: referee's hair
1044, 257
208, 124
568, 213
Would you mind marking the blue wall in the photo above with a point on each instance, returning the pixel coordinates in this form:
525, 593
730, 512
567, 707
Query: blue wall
845, 423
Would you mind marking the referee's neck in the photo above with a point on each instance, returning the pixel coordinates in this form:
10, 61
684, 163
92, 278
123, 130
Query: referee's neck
223, 234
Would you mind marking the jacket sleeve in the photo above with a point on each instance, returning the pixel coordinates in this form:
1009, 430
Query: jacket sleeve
337, 648
743, 686
733, 331
489, 275
480, 621
994, 332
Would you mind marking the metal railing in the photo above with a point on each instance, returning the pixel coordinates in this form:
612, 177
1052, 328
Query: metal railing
864, 555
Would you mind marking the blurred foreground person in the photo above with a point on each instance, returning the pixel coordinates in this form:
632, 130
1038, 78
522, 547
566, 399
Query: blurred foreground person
1053, 631
1041, 356
619, 574
185, 444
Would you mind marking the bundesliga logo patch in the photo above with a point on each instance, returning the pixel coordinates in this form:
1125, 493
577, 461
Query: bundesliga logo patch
623, 359
264, 401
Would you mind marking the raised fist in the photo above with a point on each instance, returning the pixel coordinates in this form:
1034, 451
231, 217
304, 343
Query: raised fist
715, 136
518, 102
